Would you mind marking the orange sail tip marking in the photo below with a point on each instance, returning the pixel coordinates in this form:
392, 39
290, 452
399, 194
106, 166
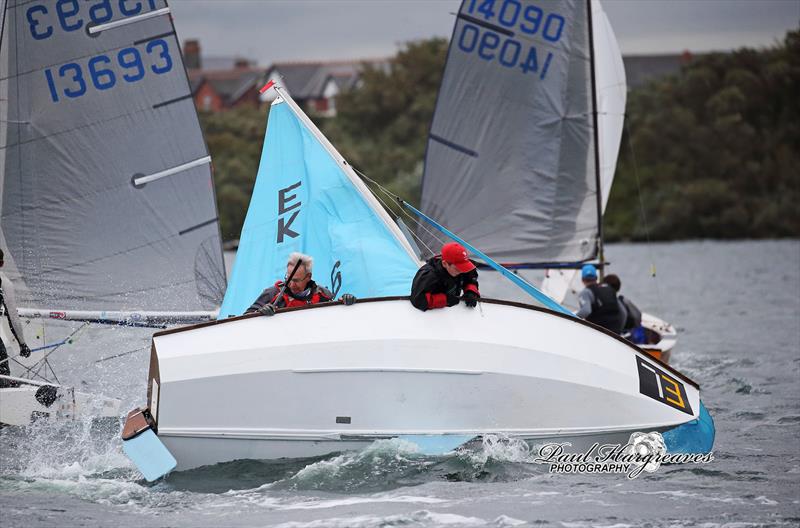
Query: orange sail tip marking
266, 87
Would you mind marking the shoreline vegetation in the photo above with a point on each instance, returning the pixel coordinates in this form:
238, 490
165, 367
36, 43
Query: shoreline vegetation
714, 149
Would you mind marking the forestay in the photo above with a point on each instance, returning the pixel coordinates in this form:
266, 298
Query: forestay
307, 198
107, 197
510, 162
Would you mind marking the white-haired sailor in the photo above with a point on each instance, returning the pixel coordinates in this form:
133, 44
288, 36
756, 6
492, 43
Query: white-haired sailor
295, 290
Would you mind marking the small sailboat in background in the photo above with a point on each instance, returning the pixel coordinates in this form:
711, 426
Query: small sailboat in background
327, 377
106, 195
523, 145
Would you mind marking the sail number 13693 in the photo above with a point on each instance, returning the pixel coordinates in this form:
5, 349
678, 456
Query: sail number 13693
71, 15
103, 71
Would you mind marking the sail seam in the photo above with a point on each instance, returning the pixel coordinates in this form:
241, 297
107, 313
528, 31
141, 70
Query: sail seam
45, 271
129, 20
70, 130
104, 295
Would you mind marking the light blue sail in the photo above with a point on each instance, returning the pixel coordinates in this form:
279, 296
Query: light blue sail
303, 201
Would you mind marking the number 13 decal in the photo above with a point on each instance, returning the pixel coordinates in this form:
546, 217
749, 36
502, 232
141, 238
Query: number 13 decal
659, 385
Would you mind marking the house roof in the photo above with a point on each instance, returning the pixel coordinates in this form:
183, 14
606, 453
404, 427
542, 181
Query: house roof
308, 79
231, 85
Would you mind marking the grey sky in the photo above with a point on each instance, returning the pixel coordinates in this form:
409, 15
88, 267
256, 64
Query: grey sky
281, 30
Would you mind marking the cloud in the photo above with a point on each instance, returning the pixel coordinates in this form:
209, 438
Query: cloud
280, 30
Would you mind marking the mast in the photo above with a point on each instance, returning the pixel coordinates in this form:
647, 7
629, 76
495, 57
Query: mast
598, 195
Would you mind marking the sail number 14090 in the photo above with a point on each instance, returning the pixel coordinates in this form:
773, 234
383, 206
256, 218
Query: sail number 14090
494, 30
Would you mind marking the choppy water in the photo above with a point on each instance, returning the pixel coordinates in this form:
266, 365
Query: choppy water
737, 307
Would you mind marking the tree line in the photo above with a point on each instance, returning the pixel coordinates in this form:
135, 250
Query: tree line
710, 152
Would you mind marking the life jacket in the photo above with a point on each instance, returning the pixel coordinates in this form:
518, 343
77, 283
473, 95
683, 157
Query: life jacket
605, 308
318, 294
634, 314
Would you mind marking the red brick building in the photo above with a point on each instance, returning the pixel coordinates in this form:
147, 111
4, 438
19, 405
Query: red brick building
220, 84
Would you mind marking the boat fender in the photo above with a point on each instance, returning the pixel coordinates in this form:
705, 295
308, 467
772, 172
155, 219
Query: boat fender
46, 395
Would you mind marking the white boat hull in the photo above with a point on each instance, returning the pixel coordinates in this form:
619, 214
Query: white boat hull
664, 337
31, 402
24, 400
330, 378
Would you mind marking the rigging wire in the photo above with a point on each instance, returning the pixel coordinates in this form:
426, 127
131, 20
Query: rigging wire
403, 211
44, 363
123, 353
643, 214
516, 279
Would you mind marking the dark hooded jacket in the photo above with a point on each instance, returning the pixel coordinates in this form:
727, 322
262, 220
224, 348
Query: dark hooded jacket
434, 287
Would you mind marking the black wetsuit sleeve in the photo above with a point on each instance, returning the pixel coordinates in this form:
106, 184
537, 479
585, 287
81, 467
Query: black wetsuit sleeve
265, 298
470, 280
425, 281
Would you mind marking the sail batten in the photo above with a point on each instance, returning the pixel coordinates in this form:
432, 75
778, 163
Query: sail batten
124, 22
169, 172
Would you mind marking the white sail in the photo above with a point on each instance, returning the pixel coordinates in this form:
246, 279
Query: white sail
107, 208
106, 197
511, 159
611, 98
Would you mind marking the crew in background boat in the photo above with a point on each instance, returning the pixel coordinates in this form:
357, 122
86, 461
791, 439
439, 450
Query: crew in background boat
299, 291
440, 281
598, 303
8, 309
633, 315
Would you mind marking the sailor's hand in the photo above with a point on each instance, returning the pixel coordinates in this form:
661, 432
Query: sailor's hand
24, 351
452, 300
348, 299
267, 309
471, 299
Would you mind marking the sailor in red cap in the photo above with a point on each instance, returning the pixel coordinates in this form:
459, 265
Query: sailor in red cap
440, 281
